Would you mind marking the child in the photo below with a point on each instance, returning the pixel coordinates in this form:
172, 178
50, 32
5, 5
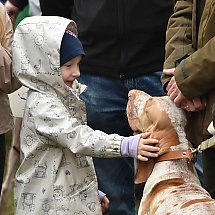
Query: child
57, 175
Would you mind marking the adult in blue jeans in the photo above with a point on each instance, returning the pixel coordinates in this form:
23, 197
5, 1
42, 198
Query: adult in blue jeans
124, 44
106, 101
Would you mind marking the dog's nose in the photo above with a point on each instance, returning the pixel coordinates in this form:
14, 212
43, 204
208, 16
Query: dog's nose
130, 93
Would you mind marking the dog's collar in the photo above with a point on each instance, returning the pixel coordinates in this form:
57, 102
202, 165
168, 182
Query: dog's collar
179, 154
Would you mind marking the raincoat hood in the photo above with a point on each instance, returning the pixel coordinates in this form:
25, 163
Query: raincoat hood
36, 51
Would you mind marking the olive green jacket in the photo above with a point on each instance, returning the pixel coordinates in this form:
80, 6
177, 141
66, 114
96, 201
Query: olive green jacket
193, 55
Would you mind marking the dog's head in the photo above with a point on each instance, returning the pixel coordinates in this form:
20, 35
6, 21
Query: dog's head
154, 114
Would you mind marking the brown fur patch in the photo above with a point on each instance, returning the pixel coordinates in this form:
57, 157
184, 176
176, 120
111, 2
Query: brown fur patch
187, 204
157, 189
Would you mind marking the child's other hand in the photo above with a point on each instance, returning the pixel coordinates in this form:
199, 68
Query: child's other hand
145, 149
105, 204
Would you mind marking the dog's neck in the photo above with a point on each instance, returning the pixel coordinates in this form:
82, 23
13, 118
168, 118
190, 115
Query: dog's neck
167, 138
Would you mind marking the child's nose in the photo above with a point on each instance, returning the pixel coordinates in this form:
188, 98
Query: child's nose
76, 73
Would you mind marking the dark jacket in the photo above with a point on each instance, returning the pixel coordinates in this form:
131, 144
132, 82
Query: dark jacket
20, 3
122, 38
192, 52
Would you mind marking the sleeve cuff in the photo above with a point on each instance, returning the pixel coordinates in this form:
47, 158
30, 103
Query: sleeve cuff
101, 195
129, 146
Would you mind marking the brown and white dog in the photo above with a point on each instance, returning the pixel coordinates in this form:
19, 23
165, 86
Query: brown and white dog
172, 186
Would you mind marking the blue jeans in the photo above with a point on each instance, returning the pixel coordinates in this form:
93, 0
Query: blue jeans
106, 101
199, 168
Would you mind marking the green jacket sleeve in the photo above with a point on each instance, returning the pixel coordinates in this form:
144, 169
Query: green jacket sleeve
195, 75
178, 36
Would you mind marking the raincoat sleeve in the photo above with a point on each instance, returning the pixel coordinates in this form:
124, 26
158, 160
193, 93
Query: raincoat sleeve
8, 82
54, 122
178, 36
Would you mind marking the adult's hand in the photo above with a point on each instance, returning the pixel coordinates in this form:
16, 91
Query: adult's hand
12, 11
169, 71
179, 99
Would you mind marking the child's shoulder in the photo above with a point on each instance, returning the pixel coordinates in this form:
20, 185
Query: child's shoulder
42, 98
40, 103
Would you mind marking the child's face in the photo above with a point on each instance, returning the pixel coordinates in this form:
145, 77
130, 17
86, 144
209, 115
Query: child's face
70, 70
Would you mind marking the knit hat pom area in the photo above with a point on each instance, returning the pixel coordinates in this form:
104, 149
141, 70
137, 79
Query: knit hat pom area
70, 48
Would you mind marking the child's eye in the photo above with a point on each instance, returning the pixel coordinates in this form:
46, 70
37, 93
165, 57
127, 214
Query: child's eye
68, 65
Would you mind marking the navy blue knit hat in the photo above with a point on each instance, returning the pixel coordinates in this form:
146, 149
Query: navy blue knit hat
70, 47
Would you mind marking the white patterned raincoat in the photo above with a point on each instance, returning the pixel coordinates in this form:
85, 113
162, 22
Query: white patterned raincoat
56, 175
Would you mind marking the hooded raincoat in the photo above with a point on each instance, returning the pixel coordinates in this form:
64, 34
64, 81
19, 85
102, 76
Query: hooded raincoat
56, 175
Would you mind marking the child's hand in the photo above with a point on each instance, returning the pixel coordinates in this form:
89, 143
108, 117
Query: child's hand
145, 149
105, 204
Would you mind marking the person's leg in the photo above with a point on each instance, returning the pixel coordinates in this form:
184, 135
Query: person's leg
199, 169
2, 158
209, 170
13, 162
106, 100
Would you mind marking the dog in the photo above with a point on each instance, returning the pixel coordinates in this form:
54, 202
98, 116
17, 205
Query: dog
172, 186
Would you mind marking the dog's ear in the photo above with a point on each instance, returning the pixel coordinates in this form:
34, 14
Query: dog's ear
144, 170
134, 111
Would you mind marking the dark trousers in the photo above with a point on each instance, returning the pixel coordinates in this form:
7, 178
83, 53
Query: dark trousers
2, 158
208, 161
